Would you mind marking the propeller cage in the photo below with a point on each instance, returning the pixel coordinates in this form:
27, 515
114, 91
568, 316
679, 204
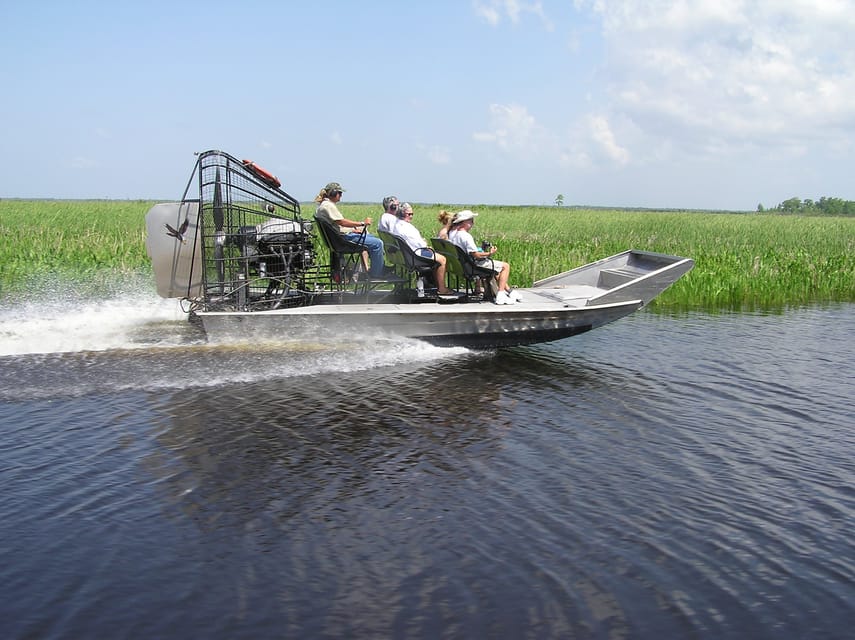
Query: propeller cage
256, 250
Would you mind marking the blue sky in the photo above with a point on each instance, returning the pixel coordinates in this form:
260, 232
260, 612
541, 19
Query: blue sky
719, 104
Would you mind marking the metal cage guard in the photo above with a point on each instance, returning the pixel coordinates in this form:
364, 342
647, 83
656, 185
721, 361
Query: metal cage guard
256, 249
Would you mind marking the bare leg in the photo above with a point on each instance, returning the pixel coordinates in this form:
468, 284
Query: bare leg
440, 275
503, 277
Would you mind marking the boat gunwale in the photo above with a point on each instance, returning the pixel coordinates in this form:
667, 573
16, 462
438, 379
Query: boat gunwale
425, 308
622, 258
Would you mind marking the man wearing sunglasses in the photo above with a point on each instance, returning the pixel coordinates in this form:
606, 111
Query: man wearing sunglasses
404, 228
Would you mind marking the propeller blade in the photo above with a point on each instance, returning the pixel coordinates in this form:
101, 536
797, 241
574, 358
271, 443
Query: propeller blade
218, 203
219, 241
219, 260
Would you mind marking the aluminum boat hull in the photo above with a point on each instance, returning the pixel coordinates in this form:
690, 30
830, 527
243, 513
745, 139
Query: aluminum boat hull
484, 325
557, 307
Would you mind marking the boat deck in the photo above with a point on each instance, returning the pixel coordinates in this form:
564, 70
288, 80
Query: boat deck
535, 300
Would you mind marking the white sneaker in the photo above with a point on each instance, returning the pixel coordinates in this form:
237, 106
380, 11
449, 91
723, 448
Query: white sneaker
503, 298
515, 295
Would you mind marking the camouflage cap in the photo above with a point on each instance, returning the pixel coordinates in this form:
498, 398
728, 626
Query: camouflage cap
332, 187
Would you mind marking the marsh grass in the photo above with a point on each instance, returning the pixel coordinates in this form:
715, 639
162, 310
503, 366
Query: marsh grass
69, 239
742, 261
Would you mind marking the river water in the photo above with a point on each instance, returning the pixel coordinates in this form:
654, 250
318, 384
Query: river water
661, 477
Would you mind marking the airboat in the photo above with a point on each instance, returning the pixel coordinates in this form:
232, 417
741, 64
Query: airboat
246, 264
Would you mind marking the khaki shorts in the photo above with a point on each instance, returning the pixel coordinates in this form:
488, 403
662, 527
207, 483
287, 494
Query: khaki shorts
495, 265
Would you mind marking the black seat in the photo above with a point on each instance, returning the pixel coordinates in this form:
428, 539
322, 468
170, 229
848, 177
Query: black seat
415, 263
460, 264
393, 254
345, 254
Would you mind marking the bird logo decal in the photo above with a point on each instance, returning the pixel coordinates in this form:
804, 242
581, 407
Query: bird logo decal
179, 232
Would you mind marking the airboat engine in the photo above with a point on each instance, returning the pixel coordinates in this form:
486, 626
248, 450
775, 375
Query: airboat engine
235, 242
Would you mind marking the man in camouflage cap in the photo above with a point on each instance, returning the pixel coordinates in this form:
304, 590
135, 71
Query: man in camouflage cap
327, 199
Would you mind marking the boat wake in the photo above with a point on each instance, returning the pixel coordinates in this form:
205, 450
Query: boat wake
142, 342
134, 321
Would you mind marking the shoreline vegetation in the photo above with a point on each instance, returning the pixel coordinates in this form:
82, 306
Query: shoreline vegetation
743, 261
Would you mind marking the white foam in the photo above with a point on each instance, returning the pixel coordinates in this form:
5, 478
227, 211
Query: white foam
61, 326
214, 365
144, 321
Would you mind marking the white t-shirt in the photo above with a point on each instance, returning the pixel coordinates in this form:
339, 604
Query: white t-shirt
387, 223
464, 240
408, 232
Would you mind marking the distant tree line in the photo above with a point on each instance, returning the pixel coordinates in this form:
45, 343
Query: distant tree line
823, 206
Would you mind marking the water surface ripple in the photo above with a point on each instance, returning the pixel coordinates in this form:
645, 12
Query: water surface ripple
658, 478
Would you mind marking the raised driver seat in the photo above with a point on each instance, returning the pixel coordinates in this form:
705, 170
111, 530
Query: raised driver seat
345, 254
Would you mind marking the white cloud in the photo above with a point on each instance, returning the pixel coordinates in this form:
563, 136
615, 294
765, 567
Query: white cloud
727, 75
511, 128
493, 11
436, 154
700, 79
335, 137
489, 13
604, 137
439, 155
591, 141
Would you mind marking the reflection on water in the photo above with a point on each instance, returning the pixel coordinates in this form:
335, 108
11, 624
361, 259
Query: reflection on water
660, 477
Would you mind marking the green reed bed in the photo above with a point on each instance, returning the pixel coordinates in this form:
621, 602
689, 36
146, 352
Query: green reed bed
742, 261
70, 240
